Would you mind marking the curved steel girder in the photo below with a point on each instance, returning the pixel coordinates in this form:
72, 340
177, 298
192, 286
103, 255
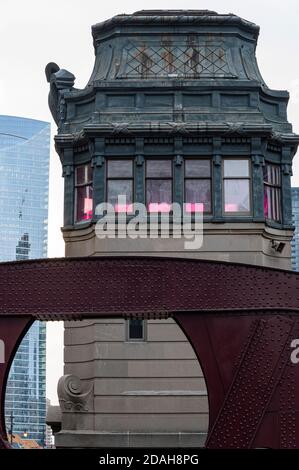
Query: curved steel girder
244, 354
12, 331
118, 286
251, 381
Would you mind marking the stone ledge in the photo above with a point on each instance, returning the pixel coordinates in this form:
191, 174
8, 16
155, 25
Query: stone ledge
93, 439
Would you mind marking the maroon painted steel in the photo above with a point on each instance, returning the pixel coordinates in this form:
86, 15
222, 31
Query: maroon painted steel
246, 364
239, 319
12, 330
86, 287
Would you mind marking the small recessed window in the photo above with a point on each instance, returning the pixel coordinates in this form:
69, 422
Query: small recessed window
83, 193
272, 192
136, 330
236, 186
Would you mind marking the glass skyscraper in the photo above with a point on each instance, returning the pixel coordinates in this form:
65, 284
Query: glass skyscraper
24, 181
295, 241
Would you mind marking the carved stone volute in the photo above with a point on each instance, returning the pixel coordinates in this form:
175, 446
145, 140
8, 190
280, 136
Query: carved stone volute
74, 395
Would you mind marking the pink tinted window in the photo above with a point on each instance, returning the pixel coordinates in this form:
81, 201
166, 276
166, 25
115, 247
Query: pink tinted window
83, 196
198, 194
120, 183
159, 195
236, 186
159, 185
116, 188
236, 195
194, 207
84, 203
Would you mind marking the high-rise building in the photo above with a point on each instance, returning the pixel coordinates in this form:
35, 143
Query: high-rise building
295, 240
49, 438
24, 176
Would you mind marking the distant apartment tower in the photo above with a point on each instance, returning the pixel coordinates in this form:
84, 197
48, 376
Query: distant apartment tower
49, 438
24, 178
295, 240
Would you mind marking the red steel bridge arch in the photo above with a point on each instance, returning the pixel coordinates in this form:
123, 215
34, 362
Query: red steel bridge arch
241, 321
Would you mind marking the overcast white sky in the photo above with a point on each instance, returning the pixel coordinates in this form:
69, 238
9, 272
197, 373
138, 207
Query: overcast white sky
35, 32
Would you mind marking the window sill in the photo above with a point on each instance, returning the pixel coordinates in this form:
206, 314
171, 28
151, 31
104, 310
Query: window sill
206, 219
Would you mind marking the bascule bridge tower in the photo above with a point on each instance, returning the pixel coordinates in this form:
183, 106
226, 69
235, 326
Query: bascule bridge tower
175, 110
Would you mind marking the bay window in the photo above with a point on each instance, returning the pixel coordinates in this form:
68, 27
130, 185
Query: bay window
272, 192
196, 176
120, 183
236, 186
83, 193
158, 181
198, 185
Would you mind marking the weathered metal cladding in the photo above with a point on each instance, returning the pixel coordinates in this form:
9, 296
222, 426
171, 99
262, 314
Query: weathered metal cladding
195, 67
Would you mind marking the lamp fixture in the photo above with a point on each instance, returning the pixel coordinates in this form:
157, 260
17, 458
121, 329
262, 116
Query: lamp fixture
277, 246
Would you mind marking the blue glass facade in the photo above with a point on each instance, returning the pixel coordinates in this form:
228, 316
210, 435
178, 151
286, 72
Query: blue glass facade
24, 178
295, 241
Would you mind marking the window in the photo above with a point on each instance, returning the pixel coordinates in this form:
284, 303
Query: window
120, 183
272, 192
158, 185
83, 193
136, 330
236, 186
198, 185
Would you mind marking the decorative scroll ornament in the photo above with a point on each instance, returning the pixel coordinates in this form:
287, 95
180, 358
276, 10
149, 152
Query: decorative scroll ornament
73, 394
60, 80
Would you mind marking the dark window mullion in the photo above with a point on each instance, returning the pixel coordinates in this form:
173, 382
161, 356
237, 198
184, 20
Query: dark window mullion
272, 186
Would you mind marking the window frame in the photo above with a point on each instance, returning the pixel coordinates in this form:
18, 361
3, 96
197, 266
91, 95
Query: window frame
247, 178
210, 178
276, 188
120, 178
81, 185
144, 331
158, 178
